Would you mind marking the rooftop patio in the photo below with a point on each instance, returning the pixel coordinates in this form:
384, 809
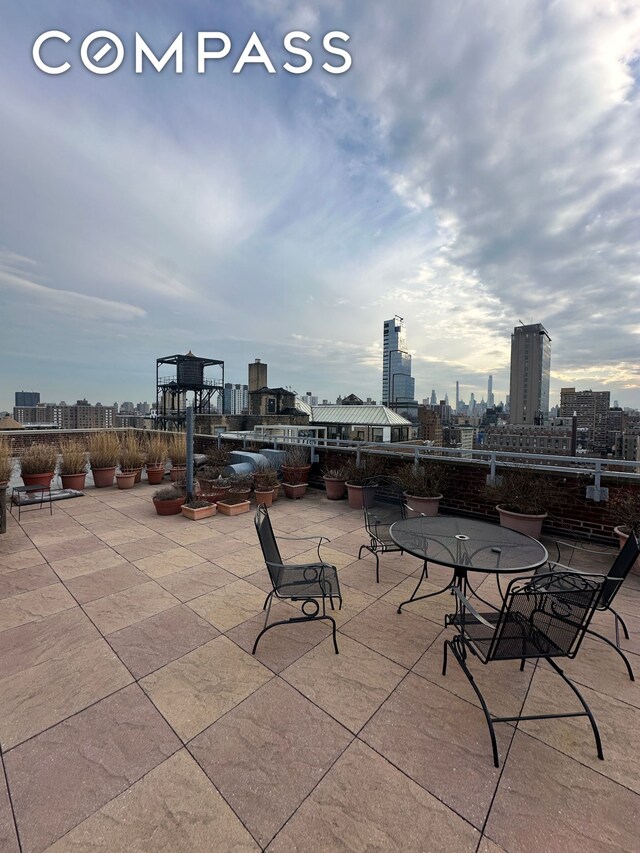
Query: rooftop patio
133, 716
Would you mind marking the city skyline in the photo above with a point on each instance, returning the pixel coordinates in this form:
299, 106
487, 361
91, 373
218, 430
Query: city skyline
476, 166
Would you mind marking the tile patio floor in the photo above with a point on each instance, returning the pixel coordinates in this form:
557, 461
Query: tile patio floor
134, 718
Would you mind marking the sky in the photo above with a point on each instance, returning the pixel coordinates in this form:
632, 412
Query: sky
477, 166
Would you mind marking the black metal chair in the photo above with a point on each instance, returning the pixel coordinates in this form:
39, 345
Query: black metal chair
544, 616
309, 583
383, 504
616, 575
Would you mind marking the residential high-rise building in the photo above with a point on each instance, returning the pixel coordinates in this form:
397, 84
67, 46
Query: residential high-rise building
592, 413
398, 386
490, 397
457, 396
530, 374
27, 398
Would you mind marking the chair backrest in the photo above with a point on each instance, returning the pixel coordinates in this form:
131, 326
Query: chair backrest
545, 615
268, 543
620, 568
383, 503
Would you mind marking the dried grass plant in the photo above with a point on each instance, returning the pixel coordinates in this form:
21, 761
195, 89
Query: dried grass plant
104, 450
178, 448
74, 456
6, 460
38, 459
156, 450
131, 455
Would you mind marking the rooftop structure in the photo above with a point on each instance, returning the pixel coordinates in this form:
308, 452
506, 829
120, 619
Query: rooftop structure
187, 376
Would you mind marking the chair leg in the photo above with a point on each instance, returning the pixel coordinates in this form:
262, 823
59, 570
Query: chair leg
609, 642
619, 621
360, 551
594, 726
266, 601
467, 672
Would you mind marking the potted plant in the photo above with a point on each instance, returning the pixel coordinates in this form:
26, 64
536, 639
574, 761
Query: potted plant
521, 497
423, 485
135, 454
178, 456
6, 462
197, 509
131, 460
156, 458
73, 464
168, 500
296, 465
104, 455
233, 505
240, 485
38, 464
265, 481
213, 485
335, 480
358, 476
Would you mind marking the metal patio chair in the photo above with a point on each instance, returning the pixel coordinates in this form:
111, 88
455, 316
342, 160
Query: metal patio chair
383, 504
309, 583
616, 575
543, 616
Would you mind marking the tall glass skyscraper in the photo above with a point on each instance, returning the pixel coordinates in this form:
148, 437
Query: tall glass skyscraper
398, 385
530, 374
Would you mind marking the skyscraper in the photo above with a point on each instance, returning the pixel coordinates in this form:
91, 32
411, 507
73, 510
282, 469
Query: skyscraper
27, 398
398, 386
490, 398
457, 396
530, 374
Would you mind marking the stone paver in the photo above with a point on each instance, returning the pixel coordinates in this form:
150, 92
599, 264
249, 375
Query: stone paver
295, 748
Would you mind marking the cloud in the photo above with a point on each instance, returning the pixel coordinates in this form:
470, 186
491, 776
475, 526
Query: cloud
478, 165
76, 306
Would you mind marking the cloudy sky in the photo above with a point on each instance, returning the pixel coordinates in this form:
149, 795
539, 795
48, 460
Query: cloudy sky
479, 164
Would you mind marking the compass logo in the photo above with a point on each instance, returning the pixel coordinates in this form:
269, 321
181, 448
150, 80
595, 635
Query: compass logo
103, 52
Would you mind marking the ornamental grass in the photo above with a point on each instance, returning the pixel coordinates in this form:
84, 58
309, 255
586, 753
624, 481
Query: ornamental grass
38, 459
131, 455
178, 448
74, 456
6, 460
156, 450
104, 450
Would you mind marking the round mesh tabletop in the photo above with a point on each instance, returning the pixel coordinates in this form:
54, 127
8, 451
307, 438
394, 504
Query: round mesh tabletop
468, 543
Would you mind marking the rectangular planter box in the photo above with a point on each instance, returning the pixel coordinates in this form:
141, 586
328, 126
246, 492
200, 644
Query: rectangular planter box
233, 509
198, 512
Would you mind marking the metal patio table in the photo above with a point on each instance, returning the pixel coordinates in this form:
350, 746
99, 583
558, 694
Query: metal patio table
466, 545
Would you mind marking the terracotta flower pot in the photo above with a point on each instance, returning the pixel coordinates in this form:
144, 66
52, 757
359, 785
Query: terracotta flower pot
138, 475
73, 481
276, 493
126, 479
422, 506
198, 512
233, 509
295, 490
155, 474
356, 496
296, 475
213, 494
265, 498
103, 477
335, 489
171, 507
38, 479
178, 472
529, 524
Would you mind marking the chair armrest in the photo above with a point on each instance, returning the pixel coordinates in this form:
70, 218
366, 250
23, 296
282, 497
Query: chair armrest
301, 566
468, 606
319, 539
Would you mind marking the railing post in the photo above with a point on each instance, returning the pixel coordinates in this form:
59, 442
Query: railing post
416, 458
189, 440
491, 480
